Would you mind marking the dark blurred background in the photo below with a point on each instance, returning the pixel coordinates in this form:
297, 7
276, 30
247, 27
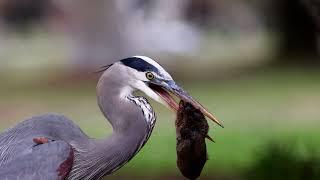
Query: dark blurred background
254, 63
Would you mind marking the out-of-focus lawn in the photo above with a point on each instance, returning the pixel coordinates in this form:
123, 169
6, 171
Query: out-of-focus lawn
255, 109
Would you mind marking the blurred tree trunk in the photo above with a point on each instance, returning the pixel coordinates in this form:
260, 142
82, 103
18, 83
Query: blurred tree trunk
297, 24
313, 8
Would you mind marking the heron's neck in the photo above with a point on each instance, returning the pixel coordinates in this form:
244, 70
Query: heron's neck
120, 107
104, 156
111, 153
130, 129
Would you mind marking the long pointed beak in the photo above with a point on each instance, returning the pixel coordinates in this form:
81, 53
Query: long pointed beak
172, 87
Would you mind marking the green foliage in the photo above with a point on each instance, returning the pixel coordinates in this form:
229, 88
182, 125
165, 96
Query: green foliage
281, 160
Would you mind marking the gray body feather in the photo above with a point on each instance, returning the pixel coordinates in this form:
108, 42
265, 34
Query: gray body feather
22, 158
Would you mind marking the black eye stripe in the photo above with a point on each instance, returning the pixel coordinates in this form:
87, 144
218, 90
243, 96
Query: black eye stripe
139, 64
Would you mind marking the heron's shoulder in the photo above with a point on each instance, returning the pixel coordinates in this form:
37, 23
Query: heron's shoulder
44, 121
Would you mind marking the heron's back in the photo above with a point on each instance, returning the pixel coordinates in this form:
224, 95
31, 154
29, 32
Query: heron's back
18, 140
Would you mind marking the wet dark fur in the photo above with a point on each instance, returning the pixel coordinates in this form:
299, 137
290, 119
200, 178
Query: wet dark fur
191, 130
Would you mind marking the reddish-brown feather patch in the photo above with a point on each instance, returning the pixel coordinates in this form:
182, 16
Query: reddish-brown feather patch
65, 166
40, 140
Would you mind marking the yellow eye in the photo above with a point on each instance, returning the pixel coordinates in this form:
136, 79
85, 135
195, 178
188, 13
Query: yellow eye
149, 75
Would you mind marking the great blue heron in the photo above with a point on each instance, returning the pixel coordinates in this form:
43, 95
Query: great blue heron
52, 147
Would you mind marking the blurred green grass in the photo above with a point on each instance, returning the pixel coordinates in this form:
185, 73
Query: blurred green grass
255, 108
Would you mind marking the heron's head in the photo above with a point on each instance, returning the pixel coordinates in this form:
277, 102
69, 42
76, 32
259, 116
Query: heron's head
144, 74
